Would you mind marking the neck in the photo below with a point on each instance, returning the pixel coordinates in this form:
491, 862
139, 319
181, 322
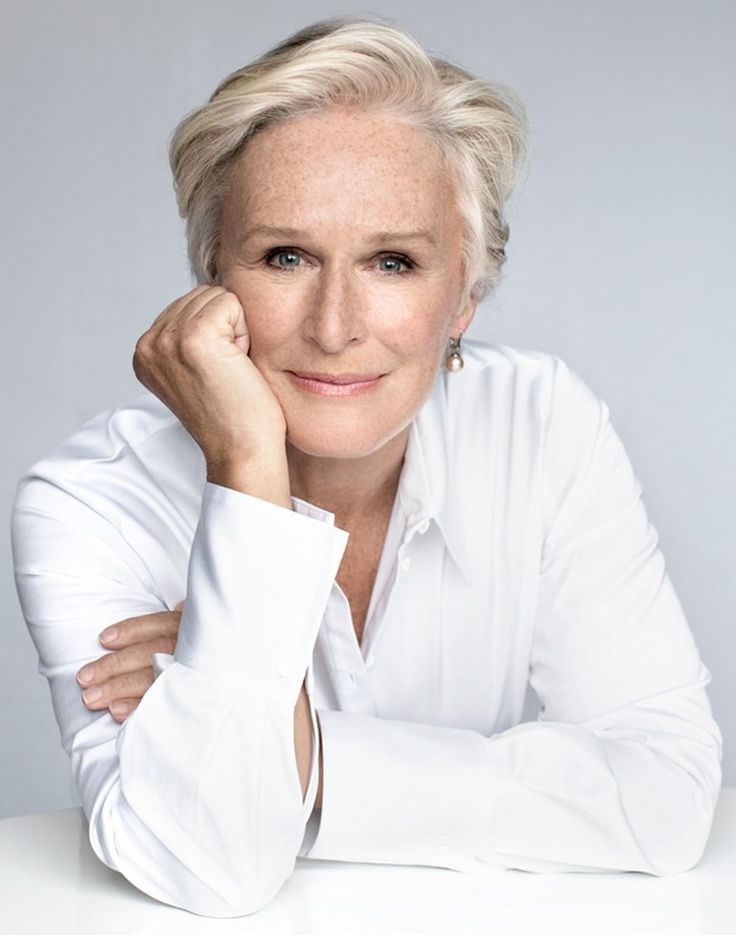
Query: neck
351, 488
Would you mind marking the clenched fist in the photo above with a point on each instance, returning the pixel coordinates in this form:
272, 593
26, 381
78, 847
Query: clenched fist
194, 358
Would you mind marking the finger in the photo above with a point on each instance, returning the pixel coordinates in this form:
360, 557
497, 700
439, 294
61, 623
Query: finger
131, 685
190, 305
227, 305
121, 708
221, 316
139, 629
199, 300
180, 606
175, 308
124, 660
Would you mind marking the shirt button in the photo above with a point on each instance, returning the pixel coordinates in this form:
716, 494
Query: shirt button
424, 527
369, 661
405, 564
442, 848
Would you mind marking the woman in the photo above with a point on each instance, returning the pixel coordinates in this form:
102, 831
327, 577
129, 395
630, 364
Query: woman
379, 535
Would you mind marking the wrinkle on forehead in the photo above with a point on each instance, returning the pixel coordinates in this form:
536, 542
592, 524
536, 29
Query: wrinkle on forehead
341, 170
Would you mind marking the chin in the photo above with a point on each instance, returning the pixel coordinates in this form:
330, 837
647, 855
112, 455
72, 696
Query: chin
339, 442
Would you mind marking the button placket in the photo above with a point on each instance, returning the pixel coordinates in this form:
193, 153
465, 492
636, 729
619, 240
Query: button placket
341, 638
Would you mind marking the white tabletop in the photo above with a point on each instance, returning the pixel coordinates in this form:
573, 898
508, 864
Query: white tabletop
51, 881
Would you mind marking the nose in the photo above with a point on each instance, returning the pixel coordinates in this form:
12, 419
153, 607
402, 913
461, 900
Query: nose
335, 314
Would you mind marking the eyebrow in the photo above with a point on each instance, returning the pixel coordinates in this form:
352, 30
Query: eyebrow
380, 236
428, 236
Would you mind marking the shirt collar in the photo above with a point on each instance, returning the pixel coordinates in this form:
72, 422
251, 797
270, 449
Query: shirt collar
425, 488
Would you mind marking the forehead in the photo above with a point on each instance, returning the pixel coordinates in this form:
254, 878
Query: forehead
341, 168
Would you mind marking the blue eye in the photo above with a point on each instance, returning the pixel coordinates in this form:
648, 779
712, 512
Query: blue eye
286, 258
397, 259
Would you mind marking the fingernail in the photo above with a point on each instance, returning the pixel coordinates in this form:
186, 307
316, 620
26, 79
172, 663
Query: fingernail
92, 694
109, 635
84, 676
119, 708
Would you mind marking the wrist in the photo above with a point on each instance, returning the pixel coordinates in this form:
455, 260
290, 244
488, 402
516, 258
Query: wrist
318, 800
264, 475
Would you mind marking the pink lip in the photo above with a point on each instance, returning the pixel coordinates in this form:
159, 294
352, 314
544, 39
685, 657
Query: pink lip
335, 384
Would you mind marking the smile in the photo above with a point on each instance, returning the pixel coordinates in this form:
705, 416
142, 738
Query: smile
335, 384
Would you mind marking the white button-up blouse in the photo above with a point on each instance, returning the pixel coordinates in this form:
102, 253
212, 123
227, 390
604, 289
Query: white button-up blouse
518, 554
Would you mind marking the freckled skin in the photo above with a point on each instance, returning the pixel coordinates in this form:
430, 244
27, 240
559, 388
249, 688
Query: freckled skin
339, 177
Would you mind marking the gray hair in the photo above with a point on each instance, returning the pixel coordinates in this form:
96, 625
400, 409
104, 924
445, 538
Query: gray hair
479, 127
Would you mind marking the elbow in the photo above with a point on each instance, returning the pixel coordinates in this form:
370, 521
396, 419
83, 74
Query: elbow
241, 897
191, 877
226, 897
683, 829
679, 857
667, 786
245, 898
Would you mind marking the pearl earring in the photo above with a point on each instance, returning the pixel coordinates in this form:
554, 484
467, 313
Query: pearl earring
454, 361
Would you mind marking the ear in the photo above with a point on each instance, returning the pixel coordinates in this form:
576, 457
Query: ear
462, 320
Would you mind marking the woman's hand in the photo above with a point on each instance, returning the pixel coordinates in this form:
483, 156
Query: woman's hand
194, 358
125, 675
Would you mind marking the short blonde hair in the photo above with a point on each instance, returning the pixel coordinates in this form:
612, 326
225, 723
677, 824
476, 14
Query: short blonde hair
478, 126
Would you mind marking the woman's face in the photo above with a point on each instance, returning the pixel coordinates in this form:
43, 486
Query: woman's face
342, 240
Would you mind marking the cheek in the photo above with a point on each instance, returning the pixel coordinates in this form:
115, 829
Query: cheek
420, 333
271, 320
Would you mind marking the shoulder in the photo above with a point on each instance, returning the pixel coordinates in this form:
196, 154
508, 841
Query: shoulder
525, 423
526, 417
136, 451
552, 429
485, 355
522, 383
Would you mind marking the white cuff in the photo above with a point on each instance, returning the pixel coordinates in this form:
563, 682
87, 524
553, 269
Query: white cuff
259, 579
398, 792
161, 662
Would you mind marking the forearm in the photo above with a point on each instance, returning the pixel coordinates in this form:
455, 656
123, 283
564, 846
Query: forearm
631, 790
259, 577
272, 485
303, 745
268, 480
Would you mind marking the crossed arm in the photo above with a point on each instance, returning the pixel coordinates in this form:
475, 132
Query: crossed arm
122, 676
197, 799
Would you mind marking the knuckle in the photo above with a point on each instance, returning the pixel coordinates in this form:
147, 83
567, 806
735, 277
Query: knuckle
131, 685
143, 346
169, 339
193, 330
144, 358
117, 663
111, 664
128, 630
139, 358
162, 644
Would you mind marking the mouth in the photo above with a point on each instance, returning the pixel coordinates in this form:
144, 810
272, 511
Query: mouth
335, 384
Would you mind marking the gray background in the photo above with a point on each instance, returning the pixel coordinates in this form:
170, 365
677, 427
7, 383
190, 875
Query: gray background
622, 252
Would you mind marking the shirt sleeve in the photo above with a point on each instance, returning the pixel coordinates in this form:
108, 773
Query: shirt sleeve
196, 797
622, 769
